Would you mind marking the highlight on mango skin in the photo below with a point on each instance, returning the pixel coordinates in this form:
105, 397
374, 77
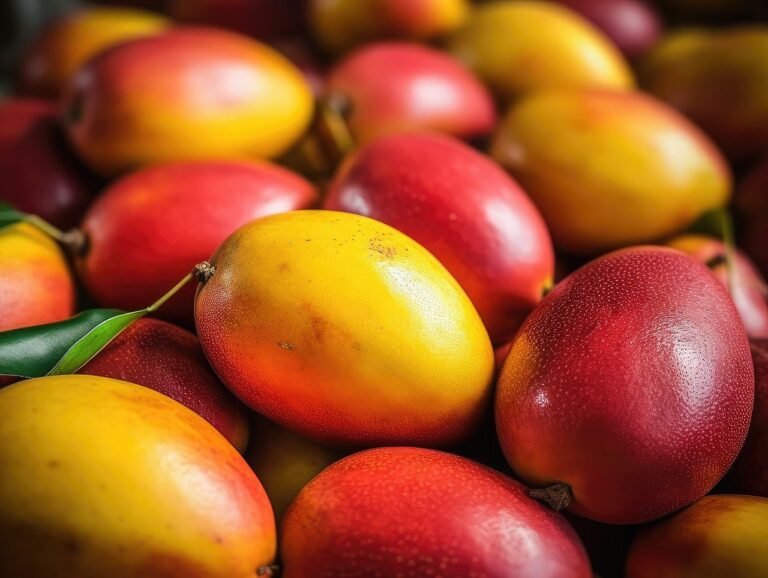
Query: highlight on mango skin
383, 288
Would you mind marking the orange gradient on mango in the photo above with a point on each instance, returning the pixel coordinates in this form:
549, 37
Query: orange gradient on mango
343, 329
339, 25
102, 478
61, 49
36, 286
189, 94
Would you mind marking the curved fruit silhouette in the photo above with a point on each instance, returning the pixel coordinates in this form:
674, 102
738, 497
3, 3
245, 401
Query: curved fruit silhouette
632, 382
37, 174
191, 93
717, 536
266, 19
169, 360
633, 25
461, 207
151, 227
393, 86
107, 478
704, 73
749, 474
343, 24
284, 462
744, 282
384, 512
35, 285
344, 330
519, 47
610, 169
63, 47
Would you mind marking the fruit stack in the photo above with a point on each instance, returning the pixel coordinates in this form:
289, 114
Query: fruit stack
386, 288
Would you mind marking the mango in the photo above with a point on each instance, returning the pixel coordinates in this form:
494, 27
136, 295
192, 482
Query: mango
64, 46
718, 78
284, 462
610, 169
106, 478
718, 536
519, 47
340, 25
344, 330
35, 284
188, 94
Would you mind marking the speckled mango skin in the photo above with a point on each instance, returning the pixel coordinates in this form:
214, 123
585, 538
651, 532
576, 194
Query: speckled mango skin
339, 25
410, 512
61, 49
191, 93
722, 535
169, 360
525, 46
106, 478
35, 285
632, 382
610, 169
344, 330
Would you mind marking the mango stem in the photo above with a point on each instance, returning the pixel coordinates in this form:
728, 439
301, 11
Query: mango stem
557, 496
202, 272
74, 240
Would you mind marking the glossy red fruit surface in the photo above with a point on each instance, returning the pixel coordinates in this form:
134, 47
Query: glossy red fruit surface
150, 228
749, 474
632, 382
38, 174
464, 209
169, 359
403, 511
633, 25
393, 86
744, 282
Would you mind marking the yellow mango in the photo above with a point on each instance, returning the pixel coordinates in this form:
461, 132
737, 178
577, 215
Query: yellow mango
518, 47
610, 169
343, 329
718, 536
102, 478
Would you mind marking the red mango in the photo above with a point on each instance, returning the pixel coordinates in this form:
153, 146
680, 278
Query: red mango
403, 511
464, 209
151, 227
38, 174
746, 285
169, 359
633, 25
394, 86
632, 383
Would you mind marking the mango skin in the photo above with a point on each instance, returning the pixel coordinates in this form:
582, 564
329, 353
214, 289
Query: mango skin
62, 48
344, 330
106, 478
610, 169
284, 462
385, 85
339, 25
188, 94
36, 286
719, 80
721, 535
519, 47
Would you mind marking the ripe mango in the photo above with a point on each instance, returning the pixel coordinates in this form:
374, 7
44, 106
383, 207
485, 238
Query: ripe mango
609, 169
518, 47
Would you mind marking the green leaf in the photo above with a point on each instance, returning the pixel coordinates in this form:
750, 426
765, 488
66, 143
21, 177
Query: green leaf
9, 215
63, 347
